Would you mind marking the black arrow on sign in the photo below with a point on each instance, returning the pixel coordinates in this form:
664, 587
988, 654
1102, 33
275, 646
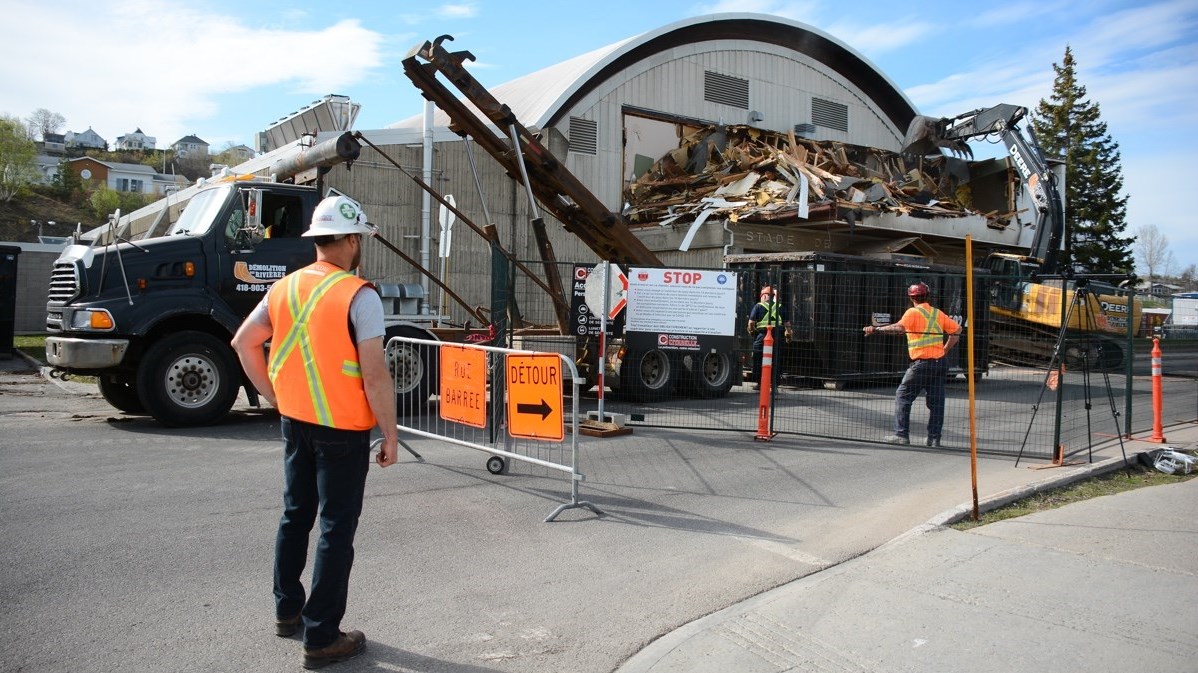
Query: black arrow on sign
543, 409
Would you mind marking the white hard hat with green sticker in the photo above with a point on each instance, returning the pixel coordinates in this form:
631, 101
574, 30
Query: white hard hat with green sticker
338, 216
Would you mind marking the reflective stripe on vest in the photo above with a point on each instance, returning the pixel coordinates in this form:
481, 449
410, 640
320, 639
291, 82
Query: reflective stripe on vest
313, 361
770, 319
929, 340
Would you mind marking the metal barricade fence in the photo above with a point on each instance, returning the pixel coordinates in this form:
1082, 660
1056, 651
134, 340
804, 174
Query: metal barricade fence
832, 381
467, 403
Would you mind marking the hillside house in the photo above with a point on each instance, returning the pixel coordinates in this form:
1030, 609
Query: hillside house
135, 141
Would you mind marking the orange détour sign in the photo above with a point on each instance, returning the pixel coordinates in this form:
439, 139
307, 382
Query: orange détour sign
464, 385
534, 397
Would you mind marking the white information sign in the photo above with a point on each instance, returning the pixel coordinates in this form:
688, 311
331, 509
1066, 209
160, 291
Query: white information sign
682, 301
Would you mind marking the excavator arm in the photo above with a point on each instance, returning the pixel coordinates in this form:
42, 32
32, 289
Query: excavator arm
522, 155
928, 135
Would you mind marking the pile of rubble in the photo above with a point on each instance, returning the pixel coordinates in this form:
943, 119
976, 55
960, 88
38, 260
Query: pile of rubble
747, 174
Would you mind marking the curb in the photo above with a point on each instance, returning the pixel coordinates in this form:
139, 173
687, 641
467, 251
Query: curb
1009, 496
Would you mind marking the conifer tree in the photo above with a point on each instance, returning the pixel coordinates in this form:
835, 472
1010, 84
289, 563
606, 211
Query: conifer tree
1070, 127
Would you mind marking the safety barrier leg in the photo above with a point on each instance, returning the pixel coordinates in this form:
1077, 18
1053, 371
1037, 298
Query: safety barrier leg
765, 384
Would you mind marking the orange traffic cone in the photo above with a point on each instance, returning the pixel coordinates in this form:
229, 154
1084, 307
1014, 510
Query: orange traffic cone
764, 434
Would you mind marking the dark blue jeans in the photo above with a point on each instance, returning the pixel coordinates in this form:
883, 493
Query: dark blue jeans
922, 375
324, 471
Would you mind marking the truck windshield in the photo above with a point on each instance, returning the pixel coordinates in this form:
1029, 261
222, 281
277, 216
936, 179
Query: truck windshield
200, 213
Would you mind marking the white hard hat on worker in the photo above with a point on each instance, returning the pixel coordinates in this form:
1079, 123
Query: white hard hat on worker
338, 216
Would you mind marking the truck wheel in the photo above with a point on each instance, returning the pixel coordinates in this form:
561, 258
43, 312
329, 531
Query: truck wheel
188, 378
119, 391
709, 374
413, 368
645, 375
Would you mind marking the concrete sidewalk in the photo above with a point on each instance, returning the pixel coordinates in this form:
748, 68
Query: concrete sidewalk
1107, 584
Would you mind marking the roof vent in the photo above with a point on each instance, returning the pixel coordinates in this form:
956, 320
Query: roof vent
584, 136
725, 90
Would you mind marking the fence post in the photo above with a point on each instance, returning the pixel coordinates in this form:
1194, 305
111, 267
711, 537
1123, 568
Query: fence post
765, 384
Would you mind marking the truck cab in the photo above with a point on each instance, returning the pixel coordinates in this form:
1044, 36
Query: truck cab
152, 318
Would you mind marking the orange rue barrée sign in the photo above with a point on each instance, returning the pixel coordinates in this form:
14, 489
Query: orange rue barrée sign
464, 385
534, 397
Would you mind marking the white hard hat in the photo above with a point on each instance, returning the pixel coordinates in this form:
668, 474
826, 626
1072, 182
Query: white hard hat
338, 216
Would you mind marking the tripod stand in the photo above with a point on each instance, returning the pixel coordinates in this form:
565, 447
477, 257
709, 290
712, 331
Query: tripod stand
1081, 350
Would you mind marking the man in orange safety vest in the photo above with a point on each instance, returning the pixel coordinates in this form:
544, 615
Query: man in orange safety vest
328, 377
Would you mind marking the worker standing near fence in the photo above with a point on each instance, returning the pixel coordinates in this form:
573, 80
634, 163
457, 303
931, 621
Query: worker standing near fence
766, 313
930, 336
328, 377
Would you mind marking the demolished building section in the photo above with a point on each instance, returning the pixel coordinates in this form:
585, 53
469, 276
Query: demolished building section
746, 174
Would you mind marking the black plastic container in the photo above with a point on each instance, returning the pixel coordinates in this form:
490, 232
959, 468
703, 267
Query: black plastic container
8, 297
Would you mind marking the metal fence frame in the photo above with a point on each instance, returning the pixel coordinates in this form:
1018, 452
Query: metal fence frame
489, 438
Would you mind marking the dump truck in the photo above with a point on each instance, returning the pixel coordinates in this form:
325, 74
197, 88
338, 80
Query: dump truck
151, 318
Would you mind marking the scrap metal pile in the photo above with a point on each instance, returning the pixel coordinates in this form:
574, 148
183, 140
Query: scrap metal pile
748, 174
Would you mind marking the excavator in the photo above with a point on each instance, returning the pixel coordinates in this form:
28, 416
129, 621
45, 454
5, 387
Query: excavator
1032, 296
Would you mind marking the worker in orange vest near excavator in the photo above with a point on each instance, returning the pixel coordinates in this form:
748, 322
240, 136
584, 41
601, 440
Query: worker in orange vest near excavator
930, 336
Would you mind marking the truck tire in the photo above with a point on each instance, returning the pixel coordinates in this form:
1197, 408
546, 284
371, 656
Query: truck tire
188, 378
118, 389
648, 375
414, 369
709, 375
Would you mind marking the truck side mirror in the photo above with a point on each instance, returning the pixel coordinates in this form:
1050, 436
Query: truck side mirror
254, 230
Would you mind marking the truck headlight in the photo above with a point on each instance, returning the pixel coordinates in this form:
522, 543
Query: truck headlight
92, 319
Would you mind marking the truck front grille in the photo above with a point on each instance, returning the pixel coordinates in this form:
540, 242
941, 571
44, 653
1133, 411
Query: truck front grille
64, 283
64, 286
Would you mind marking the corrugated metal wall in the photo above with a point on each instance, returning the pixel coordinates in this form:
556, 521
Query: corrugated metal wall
782, 84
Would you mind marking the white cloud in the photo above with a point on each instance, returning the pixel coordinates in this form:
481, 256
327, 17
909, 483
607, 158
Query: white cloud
466, 10
171, 69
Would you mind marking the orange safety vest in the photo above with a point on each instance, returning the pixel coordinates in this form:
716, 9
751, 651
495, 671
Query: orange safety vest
925, 336
313, 360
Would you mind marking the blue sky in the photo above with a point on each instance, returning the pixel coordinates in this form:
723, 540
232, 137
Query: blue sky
224, 70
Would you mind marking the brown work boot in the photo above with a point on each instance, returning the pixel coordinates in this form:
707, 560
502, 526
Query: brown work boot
347, 646
285, 628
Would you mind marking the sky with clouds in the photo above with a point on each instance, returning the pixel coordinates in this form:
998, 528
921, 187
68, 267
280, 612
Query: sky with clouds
224, 70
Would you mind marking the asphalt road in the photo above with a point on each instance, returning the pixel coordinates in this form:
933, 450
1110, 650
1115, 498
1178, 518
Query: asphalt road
131, 547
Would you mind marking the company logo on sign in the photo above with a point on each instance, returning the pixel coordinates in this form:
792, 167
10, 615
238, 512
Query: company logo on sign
722, 279
580, 273
678, 340
258, 273
642, 276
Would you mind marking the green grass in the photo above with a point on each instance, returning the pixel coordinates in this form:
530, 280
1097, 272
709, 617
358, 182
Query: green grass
33, 346
1138, 476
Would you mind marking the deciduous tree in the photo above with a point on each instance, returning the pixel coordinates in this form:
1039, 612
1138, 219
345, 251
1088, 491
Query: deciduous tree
1152, 251
43, 121
17, 166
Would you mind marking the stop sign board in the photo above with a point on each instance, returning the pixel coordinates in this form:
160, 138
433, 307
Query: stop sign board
534, 396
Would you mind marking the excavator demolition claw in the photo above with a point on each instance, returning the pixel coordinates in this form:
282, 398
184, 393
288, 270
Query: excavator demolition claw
927, 135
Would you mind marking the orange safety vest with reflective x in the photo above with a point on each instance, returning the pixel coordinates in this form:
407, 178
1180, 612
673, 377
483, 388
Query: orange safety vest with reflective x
313, 360
925, 335
770, 319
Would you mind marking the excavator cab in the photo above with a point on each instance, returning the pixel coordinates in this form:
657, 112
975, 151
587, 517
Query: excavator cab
1010, 273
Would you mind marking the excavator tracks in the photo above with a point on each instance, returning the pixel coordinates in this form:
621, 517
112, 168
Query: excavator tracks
1027, 345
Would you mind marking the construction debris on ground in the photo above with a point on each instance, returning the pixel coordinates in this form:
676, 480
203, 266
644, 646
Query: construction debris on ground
746, 174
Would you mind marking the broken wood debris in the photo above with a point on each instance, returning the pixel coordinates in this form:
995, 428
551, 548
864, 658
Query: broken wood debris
748, 174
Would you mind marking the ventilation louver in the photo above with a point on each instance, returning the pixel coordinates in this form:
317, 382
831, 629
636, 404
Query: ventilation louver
830, 114
725, 90
584, 136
